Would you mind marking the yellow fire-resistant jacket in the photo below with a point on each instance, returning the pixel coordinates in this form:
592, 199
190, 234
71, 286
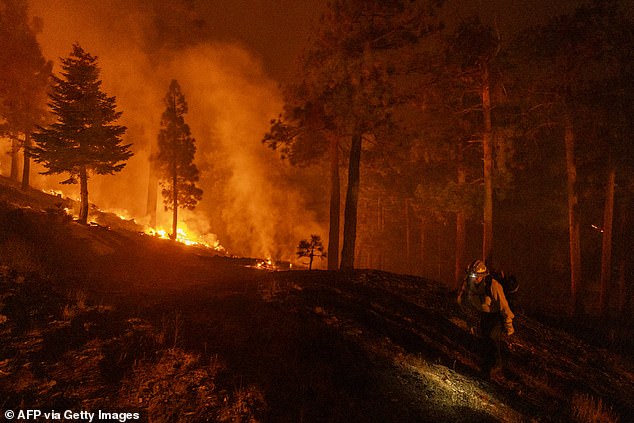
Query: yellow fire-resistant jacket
495, 303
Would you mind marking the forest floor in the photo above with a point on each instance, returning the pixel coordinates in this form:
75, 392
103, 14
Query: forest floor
105, 319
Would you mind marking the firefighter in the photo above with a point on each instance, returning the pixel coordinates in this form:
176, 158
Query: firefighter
486, 295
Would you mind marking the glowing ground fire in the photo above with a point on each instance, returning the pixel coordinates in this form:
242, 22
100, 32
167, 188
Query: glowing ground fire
185, 238
184, 235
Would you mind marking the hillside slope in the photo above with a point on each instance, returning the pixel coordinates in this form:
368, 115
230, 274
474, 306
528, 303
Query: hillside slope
101, 319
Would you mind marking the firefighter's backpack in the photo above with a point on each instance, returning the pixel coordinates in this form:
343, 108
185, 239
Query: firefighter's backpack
510, 286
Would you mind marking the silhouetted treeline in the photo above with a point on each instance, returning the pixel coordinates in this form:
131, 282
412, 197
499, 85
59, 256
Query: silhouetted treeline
511, 147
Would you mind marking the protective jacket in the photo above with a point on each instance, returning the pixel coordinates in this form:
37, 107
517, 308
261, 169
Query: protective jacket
490, 300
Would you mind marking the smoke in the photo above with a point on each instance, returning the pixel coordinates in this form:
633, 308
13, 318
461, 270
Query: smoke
250, 201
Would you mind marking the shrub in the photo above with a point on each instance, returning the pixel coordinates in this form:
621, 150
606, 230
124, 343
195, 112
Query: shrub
178, 387
586, 409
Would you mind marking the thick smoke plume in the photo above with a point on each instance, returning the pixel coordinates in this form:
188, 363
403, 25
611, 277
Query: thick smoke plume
141, 47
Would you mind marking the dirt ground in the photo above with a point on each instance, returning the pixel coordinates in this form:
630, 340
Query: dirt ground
93, 318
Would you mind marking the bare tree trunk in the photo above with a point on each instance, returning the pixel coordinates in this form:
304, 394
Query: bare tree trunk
461, 227
606, 245
380, 228
352, 199
422, 247
173, 235
83, 205
487, 147
335, 205
461, 240
573, 215
15, 158
26, 167
439, 264
622, 300
152, 189
408, 253
623, 255
312, 255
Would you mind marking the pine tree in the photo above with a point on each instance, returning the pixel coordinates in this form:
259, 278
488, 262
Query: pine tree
475, 46
311, 248
573, 77
175, 157
85, 138
344, 90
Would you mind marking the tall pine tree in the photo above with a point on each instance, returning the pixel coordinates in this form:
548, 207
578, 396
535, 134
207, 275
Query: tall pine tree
84, 139
573, 78
175, 157
344, 90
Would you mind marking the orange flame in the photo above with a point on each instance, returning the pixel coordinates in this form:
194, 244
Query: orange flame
184, 238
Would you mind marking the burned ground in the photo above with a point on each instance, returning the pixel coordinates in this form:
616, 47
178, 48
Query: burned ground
93, 318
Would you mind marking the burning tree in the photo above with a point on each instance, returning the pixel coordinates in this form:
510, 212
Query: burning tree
311, 248
85, 138
175, 157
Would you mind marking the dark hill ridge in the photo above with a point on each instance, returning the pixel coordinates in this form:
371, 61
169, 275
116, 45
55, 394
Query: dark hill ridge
96, 319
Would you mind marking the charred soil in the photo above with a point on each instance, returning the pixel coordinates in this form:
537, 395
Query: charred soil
95, 318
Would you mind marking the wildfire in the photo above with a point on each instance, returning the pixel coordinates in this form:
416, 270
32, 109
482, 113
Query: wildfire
184, 235
54, 192
265, 264
184, 238
61, 194
122, 214
269, 264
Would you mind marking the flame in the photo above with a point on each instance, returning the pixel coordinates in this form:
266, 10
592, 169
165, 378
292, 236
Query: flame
183, 234
61, 194
55, 192
186, 238
265, 264
122, 214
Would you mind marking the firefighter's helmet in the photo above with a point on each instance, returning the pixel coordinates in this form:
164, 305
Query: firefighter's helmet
477, 268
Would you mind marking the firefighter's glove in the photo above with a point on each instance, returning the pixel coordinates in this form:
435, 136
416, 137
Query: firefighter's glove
509, 328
